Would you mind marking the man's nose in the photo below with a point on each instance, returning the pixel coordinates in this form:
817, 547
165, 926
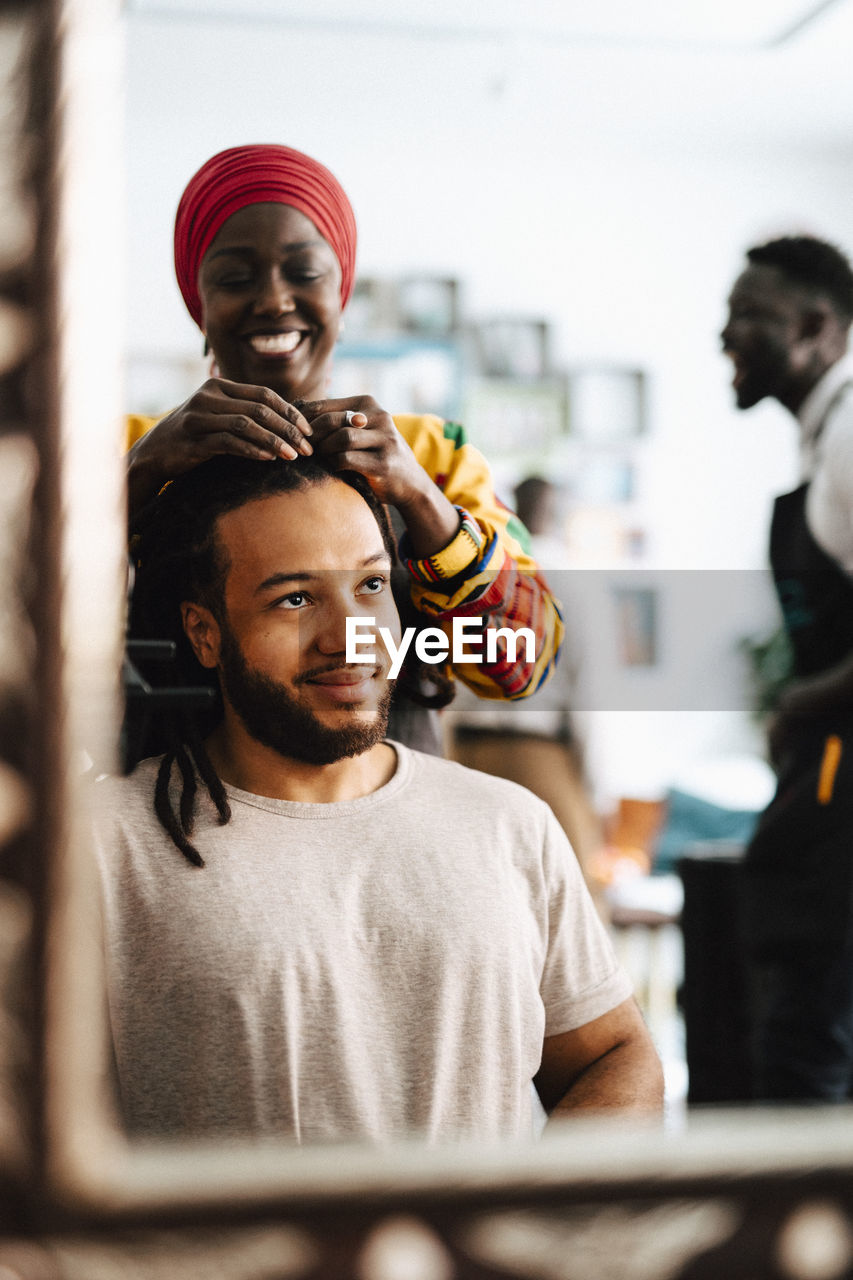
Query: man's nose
332, 629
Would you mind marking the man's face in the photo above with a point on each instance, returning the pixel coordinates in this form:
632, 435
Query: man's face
300, 563
270, 289
767, 340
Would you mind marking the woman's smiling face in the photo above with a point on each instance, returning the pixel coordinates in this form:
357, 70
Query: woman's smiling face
270, 289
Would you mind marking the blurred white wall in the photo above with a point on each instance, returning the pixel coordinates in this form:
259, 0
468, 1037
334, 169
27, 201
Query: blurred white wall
609, 190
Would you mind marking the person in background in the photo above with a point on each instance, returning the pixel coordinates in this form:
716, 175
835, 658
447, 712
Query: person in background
537, 507
534, 743
265, 244
786, 334
313, 932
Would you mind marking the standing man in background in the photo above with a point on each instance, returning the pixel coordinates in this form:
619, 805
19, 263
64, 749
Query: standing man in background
787, 331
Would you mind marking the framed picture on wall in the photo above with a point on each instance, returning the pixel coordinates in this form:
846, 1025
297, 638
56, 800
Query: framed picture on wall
604, 481
414, 375
372, 308
513, 416
607, 404
512, 347
636, 625
428, 305
156, 381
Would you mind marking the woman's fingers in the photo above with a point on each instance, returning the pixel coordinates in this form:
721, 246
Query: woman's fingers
313, 409
254, 414
237, 436
345, 429
207, 432
367, 441
220, 417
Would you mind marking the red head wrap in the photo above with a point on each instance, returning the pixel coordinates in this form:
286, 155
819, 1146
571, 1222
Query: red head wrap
253, 175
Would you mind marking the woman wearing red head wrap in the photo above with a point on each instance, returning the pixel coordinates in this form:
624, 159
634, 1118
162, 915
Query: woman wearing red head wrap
265, 243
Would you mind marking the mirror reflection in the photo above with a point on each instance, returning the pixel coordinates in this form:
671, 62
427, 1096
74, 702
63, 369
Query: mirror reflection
403, 947
360, 940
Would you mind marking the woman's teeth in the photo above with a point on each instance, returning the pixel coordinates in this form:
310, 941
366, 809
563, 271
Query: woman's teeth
275, 344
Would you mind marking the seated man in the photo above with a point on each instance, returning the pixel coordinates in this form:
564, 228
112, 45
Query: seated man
313, 932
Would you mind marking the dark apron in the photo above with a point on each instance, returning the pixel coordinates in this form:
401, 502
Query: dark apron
797, 874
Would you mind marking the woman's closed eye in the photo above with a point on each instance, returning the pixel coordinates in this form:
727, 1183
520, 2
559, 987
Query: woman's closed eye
234, 283
305, 276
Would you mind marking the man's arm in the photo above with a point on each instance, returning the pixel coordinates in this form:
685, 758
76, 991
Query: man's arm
815, 697
610, 1063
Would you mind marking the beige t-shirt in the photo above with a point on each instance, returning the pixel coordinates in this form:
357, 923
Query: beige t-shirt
375, 969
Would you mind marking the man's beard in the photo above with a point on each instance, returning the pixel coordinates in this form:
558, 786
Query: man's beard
767, 374
277, 720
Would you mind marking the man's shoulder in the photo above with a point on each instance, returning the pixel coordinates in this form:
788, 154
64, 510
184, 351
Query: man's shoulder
127, 796
452, 780
143, 773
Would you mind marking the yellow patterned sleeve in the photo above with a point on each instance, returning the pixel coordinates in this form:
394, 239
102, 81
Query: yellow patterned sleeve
136, 425
486, 570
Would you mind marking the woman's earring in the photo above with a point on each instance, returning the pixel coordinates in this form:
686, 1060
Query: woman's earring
206, 346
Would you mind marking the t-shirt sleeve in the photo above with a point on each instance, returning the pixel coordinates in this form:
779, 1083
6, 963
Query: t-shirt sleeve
581, 978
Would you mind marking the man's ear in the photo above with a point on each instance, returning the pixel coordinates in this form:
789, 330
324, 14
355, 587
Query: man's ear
202, 631
814, 320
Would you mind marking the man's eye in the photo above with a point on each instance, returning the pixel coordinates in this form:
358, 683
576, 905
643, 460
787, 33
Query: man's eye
295, 600
372, 586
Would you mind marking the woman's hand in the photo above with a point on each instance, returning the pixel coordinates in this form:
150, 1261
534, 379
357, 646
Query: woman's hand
221, 417
358, 435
